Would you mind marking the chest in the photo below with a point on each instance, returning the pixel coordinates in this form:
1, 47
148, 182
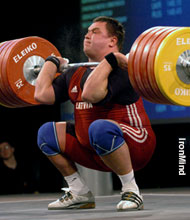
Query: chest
76, 84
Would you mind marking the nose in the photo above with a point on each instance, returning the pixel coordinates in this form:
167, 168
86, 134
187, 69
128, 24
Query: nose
87, 35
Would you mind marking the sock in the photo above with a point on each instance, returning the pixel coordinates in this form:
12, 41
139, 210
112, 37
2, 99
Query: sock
128, 182
76, 184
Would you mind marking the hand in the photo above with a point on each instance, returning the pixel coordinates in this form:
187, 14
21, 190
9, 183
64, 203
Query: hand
122, 60
63, 64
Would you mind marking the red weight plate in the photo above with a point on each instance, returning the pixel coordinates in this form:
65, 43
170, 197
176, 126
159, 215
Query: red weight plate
13, 97
131, 60
15, 59
143, 67
137, 67
5, 87
150, 64
5, 99
131, 63
2, 98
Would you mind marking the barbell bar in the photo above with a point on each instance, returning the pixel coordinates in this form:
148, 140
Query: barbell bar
158, 66
84, 64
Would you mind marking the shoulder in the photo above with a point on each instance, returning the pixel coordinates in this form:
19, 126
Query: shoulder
119, 77
120, 88
120, 72
65, 76
69, 72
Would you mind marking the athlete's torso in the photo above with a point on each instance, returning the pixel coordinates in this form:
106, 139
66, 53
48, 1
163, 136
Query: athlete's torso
86, 113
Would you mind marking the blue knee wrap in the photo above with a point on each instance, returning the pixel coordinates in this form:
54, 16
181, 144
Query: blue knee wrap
47, 139
105, 136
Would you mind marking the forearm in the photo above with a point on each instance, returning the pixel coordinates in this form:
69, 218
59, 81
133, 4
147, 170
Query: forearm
95, 87
43, 89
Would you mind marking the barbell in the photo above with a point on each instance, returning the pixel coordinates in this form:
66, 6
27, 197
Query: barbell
158, 67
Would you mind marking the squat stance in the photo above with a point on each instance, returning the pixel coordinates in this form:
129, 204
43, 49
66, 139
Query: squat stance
111, 132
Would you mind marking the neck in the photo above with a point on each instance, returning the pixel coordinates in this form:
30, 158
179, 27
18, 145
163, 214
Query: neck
100, 57
95, 59
10, 162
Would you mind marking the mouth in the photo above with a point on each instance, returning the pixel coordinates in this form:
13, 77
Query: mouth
87, 43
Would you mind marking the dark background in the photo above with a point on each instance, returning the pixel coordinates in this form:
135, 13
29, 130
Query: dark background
60, 24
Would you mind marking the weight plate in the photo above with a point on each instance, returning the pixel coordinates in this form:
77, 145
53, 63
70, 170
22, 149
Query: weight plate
150, 64
146, 75
15, 101
171, 64
131, 59
2, 98
6, 84
5, 98
17, 66
147, 94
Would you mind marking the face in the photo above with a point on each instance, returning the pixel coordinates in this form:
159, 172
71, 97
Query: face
97, 42
6, 151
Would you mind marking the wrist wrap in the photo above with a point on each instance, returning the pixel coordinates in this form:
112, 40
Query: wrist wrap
111, 59
54, 60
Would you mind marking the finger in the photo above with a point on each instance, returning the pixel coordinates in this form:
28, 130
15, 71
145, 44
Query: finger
64, 64
67, 60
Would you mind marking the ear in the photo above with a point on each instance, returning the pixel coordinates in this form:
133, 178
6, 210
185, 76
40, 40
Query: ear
113, 41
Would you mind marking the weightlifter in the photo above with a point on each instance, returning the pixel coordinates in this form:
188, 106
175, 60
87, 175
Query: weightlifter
111, 133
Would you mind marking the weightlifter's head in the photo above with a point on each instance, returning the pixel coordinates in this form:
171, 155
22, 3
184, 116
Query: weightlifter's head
105, 35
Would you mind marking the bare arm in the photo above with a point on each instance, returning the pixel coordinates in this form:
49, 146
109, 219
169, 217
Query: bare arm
96, 86
44, 92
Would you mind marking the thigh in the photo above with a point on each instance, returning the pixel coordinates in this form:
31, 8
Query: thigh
73, 150
141, 143
61, 134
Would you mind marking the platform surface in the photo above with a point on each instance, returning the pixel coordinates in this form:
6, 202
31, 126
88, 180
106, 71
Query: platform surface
159, 204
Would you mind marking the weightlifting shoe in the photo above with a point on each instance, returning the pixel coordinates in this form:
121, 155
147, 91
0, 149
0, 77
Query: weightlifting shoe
130, 198
71, 201
130, 201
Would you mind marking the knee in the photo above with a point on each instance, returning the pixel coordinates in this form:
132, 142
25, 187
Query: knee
47, 139
105, 137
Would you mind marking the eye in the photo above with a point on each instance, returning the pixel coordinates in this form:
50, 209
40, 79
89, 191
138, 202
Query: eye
94, 31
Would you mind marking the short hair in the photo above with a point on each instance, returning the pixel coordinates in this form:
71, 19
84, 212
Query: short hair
114, 27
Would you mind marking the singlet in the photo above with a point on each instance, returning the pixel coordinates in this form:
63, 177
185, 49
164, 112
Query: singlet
117, 105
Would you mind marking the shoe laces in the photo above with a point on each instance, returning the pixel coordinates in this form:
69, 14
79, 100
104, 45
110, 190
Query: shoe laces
67, 195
